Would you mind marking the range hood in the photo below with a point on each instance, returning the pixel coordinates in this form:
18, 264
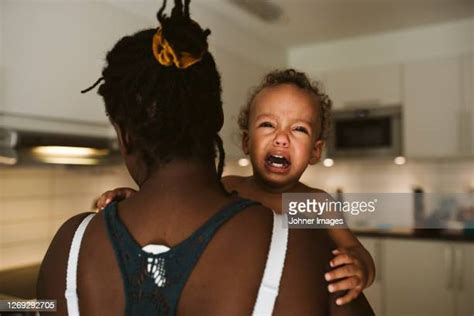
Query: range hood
22, 147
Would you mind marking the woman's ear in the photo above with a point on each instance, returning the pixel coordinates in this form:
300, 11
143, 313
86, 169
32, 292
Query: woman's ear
125, 142
316, 151
245, 142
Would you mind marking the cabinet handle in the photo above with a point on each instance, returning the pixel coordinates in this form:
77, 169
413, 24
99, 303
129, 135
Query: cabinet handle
458, 267
448, 267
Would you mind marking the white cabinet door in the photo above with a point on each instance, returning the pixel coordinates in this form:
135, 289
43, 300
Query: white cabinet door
54, 49
469, 92
432, 108
464, 279
374, 293
418, 278
467, 115
364, 87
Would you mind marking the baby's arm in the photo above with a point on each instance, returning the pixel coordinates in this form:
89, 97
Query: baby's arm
352, 263
357, 307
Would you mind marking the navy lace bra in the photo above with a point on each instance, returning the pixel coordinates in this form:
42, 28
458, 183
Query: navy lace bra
155, 275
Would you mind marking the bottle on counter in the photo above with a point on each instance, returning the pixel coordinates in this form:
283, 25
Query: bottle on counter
419, 209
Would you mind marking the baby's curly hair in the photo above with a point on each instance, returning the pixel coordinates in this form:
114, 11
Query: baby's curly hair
168, 112
300, 80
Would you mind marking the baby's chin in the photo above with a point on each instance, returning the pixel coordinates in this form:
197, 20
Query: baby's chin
278, 182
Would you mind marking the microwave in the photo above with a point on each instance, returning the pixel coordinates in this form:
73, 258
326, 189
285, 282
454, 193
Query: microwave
366, 132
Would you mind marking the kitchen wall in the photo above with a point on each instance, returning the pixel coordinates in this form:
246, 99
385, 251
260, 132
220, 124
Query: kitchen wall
34, 202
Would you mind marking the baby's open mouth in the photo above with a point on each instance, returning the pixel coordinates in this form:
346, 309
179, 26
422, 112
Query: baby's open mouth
277, 161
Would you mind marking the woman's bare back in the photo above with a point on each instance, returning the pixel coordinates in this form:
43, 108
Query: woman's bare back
226, 278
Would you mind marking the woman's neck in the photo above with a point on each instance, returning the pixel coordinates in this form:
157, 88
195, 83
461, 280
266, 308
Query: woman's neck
181, 177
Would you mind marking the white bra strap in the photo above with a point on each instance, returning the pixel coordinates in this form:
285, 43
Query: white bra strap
71, 276
269, 287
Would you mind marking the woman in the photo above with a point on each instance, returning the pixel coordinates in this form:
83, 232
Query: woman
182, 244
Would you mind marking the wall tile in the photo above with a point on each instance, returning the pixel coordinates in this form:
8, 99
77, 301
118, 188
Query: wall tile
21, 210
24, 231
26, 183
115, 178
74, 182
55, 224
63, 207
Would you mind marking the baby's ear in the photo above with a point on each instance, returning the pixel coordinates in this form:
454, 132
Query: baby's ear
245, 142
316, 151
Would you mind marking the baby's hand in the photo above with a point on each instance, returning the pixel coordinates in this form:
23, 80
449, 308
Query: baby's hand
350, 273
114, 195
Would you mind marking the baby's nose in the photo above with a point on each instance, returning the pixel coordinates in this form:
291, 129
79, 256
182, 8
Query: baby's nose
281, 140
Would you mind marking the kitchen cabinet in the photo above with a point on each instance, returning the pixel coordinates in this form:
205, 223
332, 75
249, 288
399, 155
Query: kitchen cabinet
469, 89
374, 292
438, 110
421, 277
52, 51
466, 115
365, 86
437, 97
464, 279
418, 279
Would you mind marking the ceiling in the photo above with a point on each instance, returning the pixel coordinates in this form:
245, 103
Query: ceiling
311, 21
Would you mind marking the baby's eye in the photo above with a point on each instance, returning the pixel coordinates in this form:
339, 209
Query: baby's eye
301, 129
265, 124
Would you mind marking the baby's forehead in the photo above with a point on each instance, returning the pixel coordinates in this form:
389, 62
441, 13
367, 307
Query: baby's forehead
276, 94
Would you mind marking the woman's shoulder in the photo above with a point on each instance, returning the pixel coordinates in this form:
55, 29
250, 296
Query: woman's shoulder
61, 242
62, 239
248, 232
52, 275
252, 218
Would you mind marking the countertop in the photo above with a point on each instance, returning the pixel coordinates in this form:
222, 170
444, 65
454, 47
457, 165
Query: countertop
19, 282
421, 234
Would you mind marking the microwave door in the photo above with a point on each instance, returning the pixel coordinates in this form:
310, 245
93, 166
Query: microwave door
365, 136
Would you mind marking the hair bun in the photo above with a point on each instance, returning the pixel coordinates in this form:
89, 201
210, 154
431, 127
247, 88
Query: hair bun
184, 35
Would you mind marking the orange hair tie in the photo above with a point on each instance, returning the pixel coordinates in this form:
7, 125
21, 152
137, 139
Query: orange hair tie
166, 56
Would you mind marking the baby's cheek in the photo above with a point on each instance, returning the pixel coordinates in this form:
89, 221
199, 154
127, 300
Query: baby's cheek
253, 152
